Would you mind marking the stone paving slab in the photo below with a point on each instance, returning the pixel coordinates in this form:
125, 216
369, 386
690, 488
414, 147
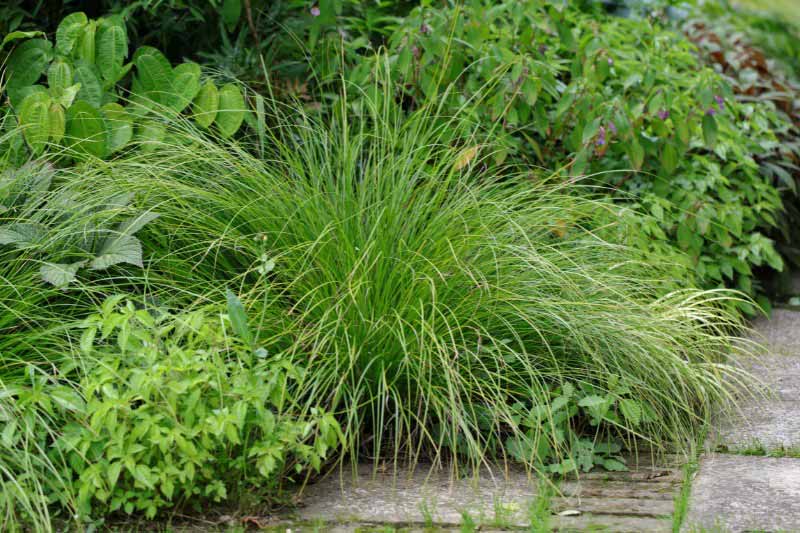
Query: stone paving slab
744, 493
639, 500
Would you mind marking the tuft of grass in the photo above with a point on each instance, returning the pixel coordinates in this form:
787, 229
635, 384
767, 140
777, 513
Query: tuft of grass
425, 296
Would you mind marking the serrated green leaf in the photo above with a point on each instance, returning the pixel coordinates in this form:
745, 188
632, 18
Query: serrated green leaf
119, 124
91, 88
231, 110
185, 85
27, 63
613, 465
68, 95
86, 129
22, 235
86, 43
153, 74
67, 398
68, 30
118, 249
34, 119
112, 49
59, 75
205, 105
60, 274
58, 123
631, 411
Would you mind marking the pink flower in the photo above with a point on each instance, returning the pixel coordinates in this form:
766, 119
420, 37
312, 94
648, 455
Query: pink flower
663, 114
315, 11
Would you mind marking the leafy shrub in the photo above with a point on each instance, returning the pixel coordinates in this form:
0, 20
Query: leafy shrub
87, 78
425, 299
166, 409
621, 100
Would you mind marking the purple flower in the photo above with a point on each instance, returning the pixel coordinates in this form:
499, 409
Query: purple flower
720, 101
424, 29
711, 111
610, 61
663, 114
315, 11
612, 127
601, 137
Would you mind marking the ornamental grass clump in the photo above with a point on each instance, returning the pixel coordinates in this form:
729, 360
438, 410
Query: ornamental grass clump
439, 312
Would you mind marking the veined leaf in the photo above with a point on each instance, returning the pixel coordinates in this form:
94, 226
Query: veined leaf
34, 119
150, 135
134, 224
205, 105
153, 74
27, 63
185, 85
22, 235
59, 76
60, 274
86, 129
68, 30
231, 110
68, 95
119, 124
118, 249
15, 35
58, 123
85, 45
710, 130
238, 318
91, 89
112, 48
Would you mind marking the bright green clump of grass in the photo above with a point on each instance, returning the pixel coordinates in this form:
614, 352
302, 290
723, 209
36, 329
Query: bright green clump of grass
428, 300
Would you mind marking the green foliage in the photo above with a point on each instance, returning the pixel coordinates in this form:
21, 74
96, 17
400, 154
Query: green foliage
621, 100
426, 297
85, 102
170, 407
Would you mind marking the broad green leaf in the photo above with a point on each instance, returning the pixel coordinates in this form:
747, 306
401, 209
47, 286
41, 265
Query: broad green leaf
636, 154
185, 85
631, 411
231, 110
15, 35
684, 235
153, 74
68, 30
60, 274
91, 89
68, 398
231, 12
238, 318
118, 249
27, 63
112, 49
669, 158
34, 119
22, 235
59, 76
58, 122
150, 135
86, 129
68, 95
119, 124
613, 465
710, 130
85, 46
206, 104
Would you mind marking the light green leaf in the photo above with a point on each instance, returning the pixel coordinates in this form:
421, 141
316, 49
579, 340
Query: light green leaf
118, 249
34, 119
150, 135
68, 95
710, 130
185, 85
15, 35
231, 110
238, 318
67, 398
153, 74
22, 235
60, 274
206, 104
631, 410
91, 88
86, 129
119, 125
58, 123
59, 76
85, 46
134, 224
112, 49
68, 30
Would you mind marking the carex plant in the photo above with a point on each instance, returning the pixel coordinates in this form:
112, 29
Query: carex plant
441, 311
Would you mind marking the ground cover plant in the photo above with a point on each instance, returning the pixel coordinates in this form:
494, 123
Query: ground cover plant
504, 236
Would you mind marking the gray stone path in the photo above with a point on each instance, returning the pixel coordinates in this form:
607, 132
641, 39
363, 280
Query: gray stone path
641, 499
759, 491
